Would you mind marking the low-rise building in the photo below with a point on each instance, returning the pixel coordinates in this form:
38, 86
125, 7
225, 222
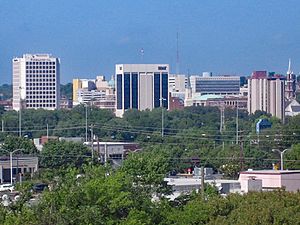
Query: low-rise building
266, 180
20, 165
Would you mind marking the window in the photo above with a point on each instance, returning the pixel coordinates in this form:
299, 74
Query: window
119, 91
126, 90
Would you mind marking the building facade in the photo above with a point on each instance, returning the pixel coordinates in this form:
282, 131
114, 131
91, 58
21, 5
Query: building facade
94, 92
216, 85
141, 86
36, 82
266, 93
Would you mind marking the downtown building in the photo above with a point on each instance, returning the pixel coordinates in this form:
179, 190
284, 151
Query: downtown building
141, 86
36, 82
266, 93
215, 85
97, 92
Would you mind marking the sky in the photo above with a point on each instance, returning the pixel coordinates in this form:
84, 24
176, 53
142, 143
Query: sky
91, 36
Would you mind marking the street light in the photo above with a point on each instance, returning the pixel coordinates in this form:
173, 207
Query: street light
281, 155
162, 116
86, 122
11, 162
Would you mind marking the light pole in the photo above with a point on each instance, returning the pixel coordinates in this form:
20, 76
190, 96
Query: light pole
162, 116
281, 155
20, 113
237, 122
86, 122
11, 162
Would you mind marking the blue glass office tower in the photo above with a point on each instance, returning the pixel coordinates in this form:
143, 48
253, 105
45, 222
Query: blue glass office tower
141, 86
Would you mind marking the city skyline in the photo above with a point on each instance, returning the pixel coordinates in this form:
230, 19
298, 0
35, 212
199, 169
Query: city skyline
90, 38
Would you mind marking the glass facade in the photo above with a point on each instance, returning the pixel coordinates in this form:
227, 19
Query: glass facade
134, 90
156, 90
119, 91
126, 90
213, 86
165, 89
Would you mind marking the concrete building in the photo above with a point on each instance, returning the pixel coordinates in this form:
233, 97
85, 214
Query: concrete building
217, 100
215, 85
36, 81
141, 86
268, 180
20, 165
94, 92
266, 93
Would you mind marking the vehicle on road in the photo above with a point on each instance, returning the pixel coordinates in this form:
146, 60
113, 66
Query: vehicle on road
6, 187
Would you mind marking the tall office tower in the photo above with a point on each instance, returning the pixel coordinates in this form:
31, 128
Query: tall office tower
141, 86
36, 82
266, 94
216, 85
290, 89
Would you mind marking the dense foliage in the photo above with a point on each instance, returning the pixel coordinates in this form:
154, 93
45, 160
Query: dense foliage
104, 196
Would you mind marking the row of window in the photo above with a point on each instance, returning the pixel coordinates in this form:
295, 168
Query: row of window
40, 105
40, 96
40, 75
40, 71
40, 63
40, 88
40, 67
41, 84
40, 92
40, 80
40, 101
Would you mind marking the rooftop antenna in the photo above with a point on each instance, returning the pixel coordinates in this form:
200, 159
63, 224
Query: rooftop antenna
177, 54
289, 69
142, 54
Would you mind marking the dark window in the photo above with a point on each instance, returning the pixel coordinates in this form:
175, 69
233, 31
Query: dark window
156, 90
126, 90
165, 89
134, 85
119, 91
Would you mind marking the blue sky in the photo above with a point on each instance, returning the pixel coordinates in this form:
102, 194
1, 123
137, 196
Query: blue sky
91, 36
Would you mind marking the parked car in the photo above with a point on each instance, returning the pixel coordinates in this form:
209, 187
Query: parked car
39, 187
6, 187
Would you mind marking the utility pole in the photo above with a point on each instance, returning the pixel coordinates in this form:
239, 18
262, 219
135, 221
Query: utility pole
105, 154
237, 122
222, 119
92, 140
202, 181
2, 126
162, 116
86, 123
47, 131
241, 152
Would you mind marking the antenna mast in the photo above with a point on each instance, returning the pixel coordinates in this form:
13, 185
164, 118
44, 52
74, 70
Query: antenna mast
177, 54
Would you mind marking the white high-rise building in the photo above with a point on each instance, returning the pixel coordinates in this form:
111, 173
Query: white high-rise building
141, 86
266, 94
36, 82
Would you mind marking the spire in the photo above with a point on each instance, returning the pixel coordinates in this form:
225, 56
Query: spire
289, 69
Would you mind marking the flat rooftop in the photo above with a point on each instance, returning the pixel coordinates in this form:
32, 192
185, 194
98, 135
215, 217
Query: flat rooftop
270, 172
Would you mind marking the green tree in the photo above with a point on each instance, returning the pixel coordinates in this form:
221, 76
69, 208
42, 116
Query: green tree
56, 154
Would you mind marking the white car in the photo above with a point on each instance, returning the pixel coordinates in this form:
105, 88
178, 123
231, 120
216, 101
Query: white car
6, 187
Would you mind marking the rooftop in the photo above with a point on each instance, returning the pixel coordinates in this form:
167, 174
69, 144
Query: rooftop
270, 172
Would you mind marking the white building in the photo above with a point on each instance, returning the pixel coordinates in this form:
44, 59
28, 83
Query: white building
36, 81
97, 92
215, 85
266, 94
266, 180
141, 86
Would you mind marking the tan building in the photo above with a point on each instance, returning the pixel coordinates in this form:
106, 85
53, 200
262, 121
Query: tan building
266, 94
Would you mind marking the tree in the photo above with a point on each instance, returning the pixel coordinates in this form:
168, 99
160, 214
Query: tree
56, 154
25, 145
